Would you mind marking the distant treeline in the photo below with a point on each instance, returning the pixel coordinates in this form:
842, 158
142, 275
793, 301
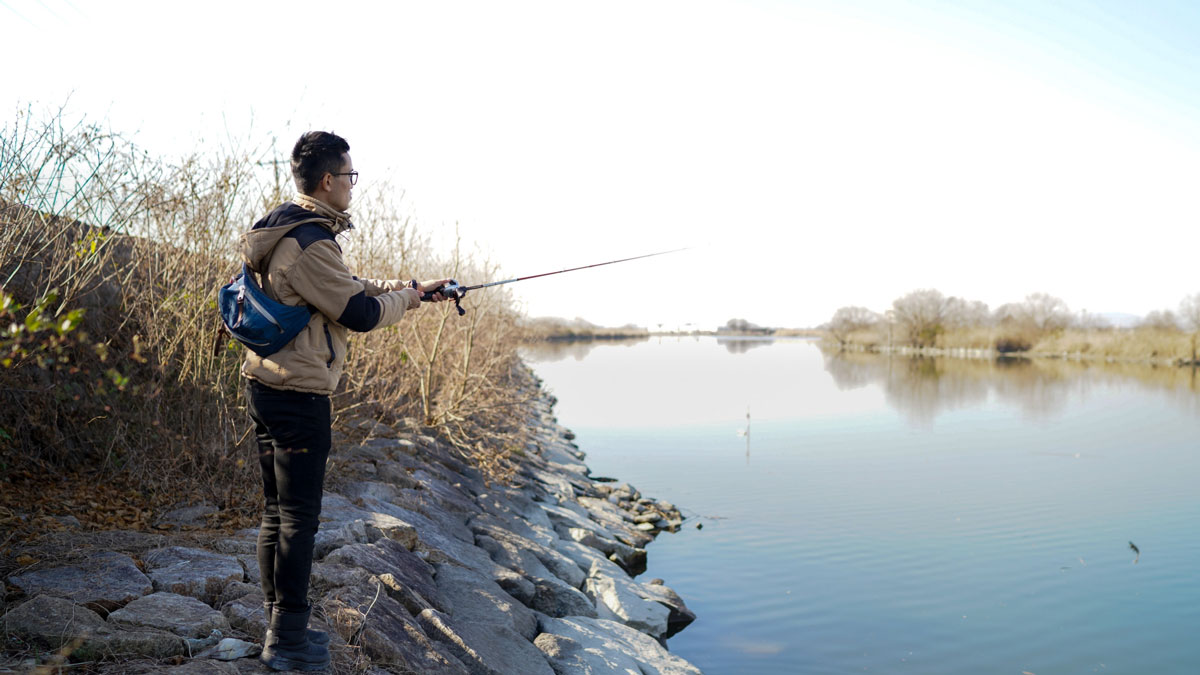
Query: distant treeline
1040, 324
554, 328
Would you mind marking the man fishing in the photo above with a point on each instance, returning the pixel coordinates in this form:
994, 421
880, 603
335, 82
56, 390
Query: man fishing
294, 251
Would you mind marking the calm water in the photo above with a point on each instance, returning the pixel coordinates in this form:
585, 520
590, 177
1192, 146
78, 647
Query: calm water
904, 516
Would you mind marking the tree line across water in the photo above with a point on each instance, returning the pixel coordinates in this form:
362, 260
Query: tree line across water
1040, 324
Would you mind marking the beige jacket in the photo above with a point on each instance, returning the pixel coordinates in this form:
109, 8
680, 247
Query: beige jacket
295, 246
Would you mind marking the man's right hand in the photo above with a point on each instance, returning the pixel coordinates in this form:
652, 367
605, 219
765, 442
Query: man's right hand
432, 286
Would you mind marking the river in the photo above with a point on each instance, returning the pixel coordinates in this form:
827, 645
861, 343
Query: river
859, 513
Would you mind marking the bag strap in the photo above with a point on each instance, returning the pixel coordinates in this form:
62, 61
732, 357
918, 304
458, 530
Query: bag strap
266, 264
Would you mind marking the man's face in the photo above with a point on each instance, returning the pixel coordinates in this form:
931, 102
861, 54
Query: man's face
339, 193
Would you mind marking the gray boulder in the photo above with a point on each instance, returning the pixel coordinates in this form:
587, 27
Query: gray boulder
569, 657
332, 537
578, 646
585, 557
518, 548
368, 618
247, 614
680, 616
487, 648
618, 599
408, 578
338, 511
555, 598
372, 489
103, 582
454, 497
179, 614
193, 572
473, 598
52, 623
632, 560
396, 473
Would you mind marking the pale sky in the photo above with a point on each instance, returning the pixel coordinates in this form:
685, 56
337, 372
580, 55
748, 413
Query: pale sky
817, 154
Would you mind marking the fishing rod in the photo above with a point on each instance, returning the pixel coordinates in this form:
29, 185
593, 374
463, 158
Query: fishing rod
457, 292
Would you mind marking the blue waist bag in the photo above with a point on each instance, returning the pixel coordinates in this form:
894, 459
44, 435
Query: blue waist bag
262, 324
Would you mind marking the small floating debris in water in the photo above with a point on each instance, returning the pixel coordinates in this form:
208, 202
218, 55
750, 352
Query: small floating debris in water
1137, 554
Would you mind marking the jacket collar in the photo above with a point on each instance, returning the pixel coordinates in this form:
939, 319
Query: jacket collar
341, 219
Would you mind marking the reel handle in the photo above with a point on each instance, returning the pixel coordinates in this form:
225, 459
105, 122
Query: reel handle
450, 290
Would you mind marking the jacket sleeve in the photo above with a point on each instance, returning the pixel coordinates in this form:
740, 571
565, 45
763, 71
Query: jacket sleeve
380, 286
322, 280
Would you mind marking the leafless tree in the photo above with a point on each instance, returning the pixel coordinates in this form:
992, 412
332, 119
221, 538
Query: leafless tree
1046, 312
1039, 314
1161, 319
849, 319
1189, 316
923, 315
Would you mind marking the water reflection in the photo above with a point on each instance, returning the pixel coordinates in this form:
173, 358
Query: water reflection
549, 351
736, 344
924, 387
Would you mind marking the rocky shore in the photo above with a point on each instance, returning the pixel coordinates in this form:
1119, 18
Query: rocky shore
421, 566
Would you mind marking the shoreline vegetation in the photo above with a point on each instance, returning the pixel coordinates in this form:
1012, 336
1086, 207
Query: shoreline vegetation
125, 446
555, 329
927, 323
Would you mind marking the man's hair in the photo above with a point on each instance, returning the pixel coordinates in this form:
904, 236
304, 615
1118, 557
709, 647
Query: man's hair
316, 154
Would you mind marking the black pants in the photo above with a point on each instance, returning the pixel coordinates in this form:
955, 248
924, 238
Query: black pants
292, 429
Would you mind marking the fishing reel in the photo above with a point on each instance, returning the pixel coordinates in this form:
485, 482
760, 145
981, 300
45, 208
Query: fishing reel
451, 290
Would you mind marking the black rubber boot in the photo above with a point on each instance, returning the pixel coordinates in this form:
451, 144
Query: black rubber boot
289, 647
318, 637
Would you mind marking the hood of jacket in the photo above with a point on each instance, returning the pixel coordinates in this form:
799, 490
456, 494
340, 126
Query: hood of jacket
258, 243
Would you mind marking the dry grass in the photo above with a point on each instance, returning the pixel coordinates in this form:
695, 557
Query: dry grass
142, 245
1146, 344
1153, 344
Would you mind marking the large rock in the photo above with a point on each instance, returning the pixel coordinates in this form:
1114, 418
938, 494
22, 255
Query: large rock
383, 492
511, 521
616, 520
179, 614
193, 572
473, 598
423, 516
247, 614
52, 623
103, 582
555, 598
579, 646
486, 649
632, 560
334, 536
338, 511
680, 616
387, 633
514, 558
619, 599
408, 578
569, 657
453, 497
561, 456
586, 556
516, 547
571, 515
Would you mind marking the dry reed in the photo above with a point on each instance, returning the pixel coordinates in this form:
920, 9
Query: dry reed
90, 222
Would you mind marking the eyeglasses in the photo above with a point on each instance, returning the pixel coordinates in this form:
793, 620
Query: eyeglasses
353, 176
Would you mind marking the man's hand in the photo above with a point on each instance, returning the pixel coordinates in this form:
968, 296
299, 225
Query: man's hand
430, 286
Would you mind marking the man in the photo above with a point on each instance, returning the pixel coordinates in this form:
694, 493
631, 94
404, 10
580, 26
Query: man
295, 252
